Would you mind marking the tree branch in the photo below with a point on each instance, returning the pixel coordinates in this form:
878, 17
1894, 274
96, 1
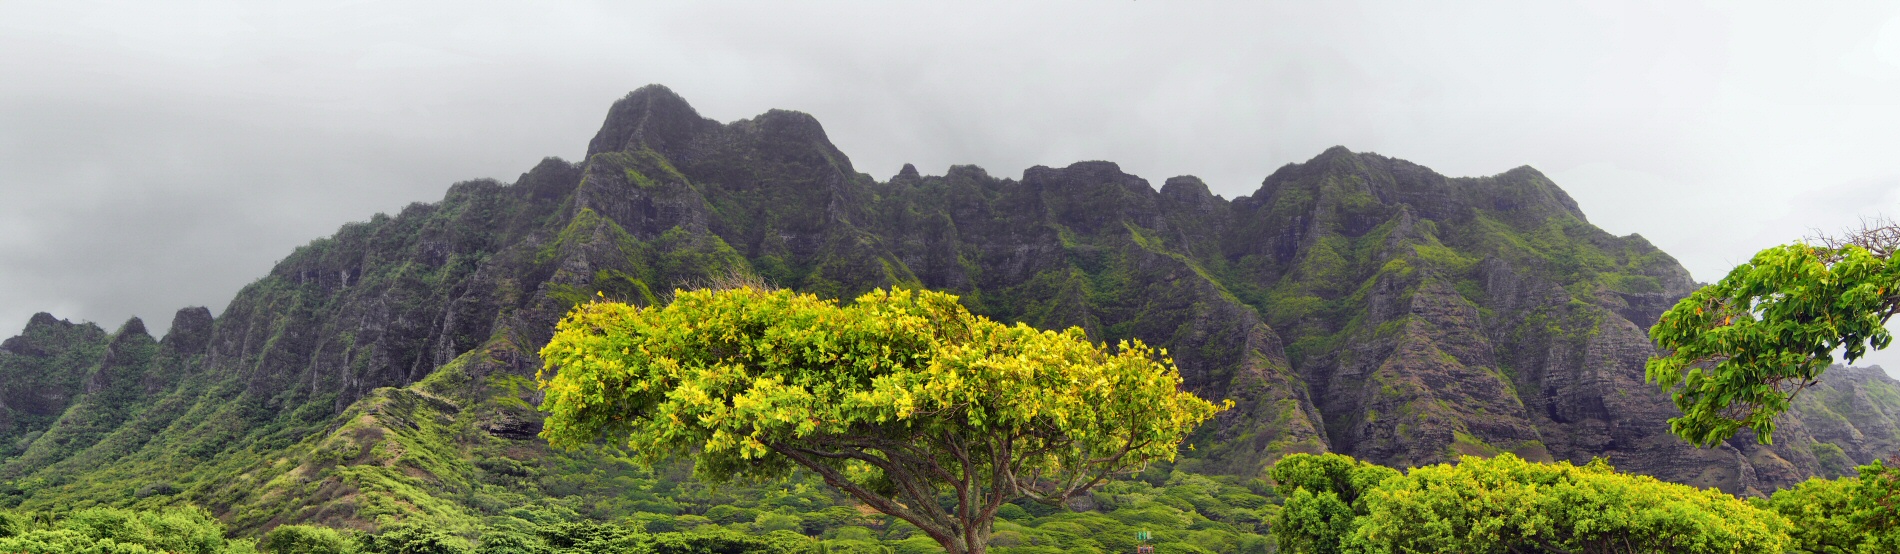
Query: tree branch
837, 479
898, 469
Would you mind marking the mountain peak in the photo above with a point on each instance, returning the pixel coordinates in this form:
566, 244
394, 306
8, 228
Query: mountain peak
908, 175
1526, 187
790, 126
653, 117
1185, 187
43, 319
191, 330
134, 326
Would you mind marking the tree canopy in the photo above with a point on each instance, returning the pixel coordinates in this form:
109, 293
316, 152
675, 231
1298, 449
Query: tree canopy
1322, 493
1853, 514
902, 399
1734, 354
1507, 504
179, 530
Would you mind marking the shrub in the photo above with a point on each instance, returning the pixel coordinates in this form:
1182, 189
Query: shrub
769, 522
1850, 514
305, 539
116, 531
411, 539
1506, 503
511, 543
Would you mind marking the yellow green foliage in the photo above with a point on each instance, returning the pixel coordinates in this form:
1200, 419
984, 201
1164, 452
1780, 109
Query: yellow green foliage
1321, 492
1850, 515
119, 531
305, 539
894, 398
1507, 504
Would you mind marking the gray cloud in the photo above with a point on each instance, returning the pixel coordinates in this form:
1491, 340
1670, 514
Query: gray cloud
156, 156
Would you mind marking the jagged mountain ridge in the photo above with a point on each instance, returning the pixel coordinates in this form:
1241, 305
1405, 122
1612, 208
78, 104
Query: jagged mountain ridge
1354, 303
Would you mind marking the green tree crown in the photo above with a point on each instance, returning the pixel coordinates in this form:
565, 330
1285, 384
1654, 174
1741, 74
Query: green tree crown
1507, 504
1735, 353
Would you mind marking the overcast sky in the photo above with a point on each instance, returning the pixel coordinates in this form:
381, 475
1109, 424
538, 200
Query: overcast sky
158, 156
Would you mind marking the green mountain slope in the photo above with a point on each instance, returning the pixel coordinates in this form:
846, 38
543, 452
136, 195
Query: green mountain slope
1354, 303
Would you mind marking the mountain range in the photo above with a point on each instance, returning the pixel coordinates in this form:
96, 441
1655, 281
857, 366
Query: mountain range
1354, 303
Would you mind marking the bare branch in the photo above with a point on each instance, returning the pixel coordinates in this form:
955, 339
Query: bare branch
1878, 235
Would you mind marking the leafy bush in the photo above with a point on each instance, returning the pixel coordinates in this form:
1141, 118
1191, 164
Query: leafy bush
511, 543
727, 541
305, 539
1321, 492
411, 539
1506, 504
728, 514
769, 522
581, 534
119, 531
1858, 514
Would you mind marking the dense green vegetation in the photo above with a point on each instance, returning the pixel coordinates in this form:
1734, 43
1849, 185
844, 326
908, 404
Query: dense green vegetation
1185, 513
1334, 504
118, 531
1313, 504
1854, 514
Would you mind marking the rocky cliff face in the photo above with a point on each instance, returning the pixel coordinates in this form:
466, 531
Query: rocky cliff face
1354, 303
43, 369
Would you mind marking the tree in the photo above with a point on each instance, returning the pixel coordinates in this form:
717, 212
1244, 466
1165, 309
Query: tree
411, 539
1322, 494
901, 399
305, 539
1734, 354
1876, 504
1853, 514
11, 525
1507, 504
184, 530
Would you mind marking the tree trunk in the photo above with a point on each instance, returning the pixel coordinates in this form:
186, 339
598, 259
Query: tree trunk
971, 542
959, 546
975, 536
